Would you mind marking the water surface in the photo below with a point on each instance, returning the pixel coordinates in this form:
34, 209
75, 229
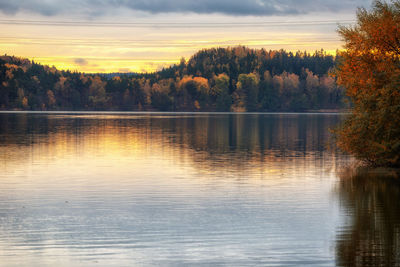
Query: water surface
133, 189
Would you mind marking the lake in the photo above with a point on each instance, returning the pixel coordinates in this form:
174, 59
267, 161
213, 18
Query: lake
182, 189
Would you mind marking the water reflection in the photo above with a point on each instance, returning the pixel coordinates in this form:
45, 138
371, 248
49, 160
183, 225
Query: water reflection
371, 200
167, 189
203, 138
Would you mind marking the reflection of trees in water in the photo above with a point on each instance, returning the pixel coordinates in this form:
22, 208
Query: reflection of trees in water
219, 133
231, 139
373, 236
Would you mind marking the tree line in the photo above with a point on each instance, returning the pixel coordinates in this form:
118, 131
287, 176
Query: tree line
218, 79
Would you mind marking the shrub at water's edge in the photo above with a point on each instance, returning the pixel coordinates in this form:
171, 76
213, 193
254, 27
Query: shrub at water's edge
370, 72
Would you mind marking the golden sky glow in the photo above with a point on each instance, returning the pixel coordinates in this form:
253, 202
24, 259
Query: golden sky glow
151, 42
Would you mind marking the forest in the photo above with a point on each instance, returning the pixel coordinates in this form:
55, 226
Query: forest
235, 79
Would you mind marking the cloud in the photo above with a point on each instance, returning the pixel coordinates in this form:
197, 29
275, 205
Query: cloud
124, 70
80, 61
227, 7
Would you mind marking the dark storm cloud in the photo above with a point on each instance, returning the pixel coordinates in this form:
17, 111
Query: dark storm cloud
228, 7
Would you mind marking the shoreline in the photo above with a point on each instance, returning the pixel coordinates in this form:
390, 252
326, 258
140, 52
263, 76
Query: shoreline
339, 112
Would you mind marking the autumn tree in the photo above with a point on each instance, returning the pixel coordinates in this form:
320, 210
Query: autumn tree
370, 71
97, 92
268, 95
159, 96
312, 88
247, 89
220, 92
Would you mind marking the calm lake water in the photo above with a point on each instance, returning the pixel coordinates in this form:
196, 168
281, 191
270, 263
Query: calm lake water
134, 189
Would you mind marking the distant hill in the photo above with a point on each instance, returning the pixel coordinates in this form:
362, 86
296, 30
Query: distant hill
217, 79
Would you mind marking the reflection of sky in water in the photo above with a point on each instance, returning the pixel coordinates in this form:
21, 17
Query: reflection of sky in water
175, 190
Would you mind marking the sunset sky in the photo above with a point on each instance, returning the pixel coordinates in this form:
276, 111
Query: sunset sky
145, 35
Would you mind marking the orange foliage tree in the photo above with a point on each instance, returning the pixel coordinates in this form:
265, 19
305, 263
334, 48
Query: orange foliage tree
370, 72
